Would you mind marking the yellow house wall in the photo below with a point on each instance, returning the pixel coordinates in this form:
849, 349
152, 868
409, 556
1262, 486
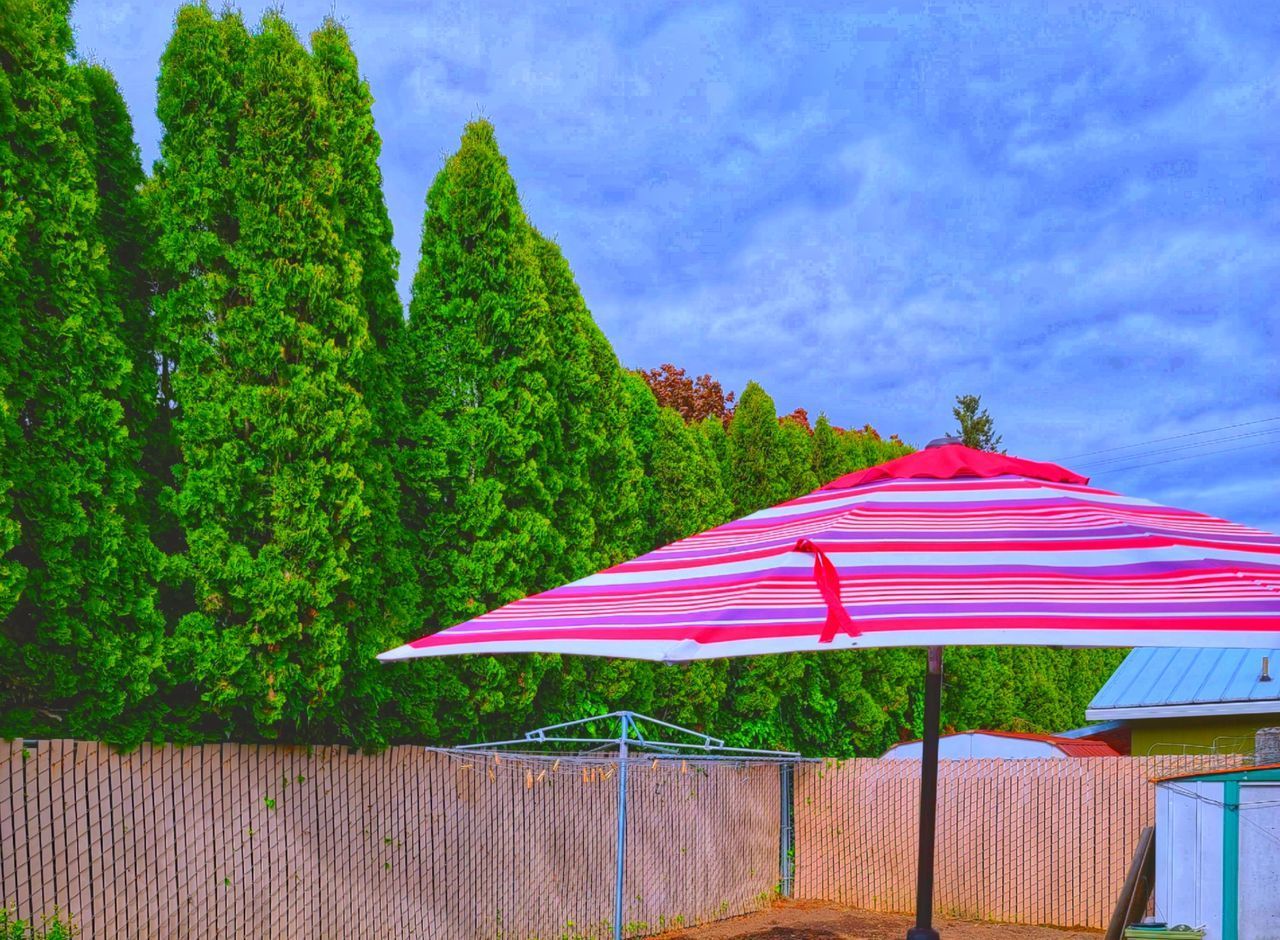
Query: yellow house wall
1170, 735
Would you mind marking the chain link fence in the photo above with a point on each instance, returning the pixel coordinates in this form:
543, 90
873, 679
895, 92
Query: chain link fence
258, 841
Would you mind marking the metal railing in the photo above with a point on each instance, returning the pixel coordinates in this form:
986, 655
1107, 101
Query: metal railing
631, 738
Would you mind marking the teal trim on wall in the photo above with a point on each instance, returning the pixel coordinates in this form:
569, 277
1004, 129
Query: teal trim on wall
1231, 859
1239, 775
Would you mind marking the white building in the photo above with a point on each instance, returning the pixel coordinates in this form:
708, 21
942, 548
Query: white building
1007, 744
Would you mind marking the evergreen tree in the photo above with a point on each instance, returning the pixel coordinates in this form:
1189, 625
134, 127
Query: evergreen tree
757, 470
81, 640
262, 318
829, 456
17, 33
119, 177
377, 704
977, 429
686, 478
190, 213
598, 512
483, 424
796, 452
641, 409
716, 436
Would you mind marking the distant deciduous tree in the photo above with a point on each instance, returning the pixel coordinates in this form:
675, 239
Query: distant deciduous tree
800, 416
694, 398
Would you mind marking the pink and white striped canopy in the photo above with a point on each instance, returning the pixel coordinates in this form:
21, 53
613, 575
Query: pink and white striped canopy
948, 546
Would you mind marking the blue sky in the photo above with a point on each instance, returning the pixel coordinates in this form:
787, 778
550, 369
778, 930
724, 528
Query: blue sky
1070, 209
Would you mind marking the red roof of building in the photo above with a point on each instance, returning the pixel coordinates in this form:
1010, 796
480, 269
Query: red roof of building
1072, 747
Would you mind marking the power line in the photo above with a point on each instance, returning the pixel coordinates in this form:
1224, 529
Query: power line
1173, 437
1213, 453
1193, 445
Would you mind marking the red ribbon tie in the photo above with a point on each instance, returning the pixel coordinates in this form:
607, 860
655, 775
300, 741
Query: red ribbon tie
824, 572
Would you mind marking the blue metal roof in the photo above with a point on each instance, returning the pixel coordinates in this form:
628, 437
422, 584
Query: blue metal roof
1100, 727
1167, 676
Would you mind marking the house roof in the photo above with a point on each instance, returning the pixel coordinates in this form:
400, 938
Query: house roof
1116, 734
1257, 771
1069, 746
1173, 683
1073, 747
1093, 731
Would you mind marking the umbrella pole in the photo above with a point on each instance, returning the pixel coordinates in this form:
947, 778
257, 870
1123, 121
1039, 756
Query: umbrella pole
923, 930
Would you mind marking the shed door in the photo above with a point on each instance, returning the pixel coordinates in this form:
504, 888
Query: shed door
1259, 861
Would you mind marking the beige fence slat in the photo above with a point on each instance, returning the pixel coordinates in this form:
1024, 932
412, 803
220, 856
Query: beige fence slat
41, 831
12, 838
77, 823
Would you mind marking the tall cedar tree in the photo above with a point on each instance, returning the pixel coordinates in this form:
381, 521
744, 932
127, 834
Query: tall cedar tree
263, 321
82, 639
796, 442
14, 219
482, 426
598, 510
757, 464
829, 455
378, 704
686, 476
190, 211
690, 497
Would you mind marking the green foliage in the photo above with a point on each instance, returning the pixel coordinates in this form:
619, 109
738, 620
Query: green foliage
797, 455
599, 511
686, 478
829, 456
231, 472
1022, 688
262, 316
53, 927
756, 469
483, 432
81, 633
377, 705
977, 429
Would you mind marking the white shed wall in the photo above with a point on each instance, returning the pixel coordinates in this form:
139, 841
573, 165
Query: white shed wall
1259, 861
1189, 855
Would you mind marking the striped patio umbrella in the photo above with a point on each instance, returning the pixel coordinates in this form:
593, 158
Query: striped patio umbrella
947, 546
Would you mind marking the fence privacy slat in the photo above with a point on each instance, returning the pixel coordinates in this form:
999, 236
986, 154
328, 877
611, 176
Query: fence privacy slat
248, 840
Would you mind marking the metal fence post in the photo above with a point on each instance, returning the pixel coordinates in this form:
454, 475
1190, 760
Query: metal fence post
786, 831
622, 833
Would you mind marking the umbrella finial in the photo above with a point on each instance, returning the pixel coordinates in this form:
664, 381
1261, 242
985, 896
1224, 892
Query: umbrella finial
943, 441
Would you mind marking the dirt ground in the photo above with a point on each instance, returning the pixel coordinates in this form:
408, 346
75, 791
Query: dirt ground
808, 921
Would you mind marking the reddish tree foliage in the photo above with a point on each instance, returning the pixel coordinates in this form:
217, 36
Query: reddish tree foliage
694, 399
801, 417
